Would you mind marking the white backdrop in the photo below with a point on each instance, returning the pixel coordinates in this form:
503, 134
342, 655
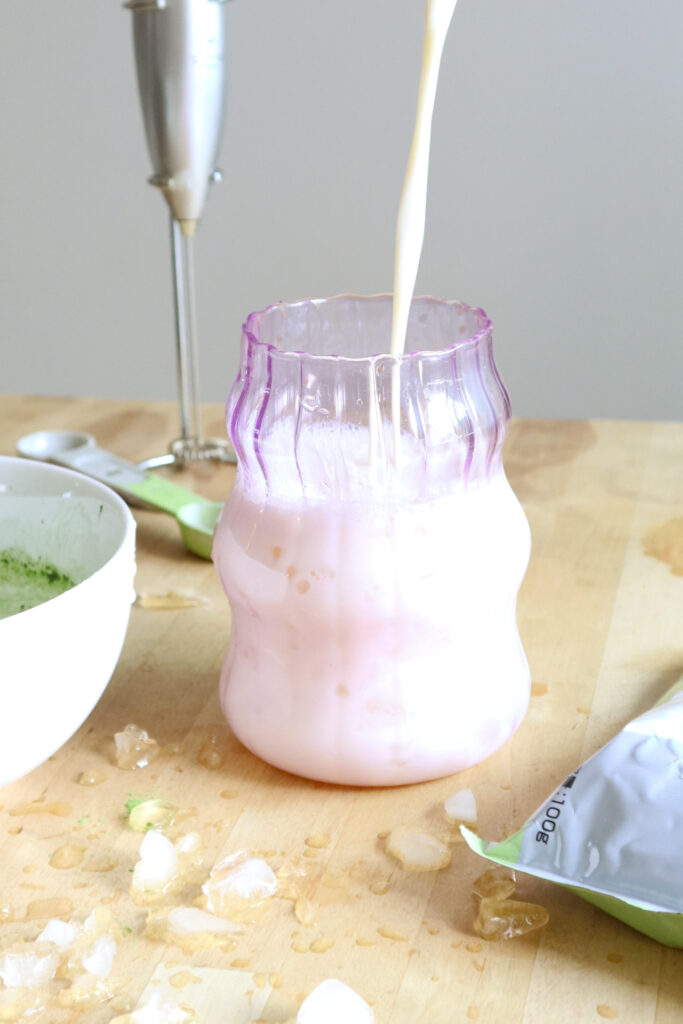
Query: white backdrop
555, 193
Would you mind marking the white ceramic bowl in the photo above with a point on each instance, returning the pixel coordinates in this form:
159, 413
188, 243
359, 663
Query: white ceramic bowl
57, 658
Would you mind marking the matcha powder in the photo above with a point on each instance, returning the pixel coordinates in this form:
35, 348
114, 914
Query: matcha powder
26, 582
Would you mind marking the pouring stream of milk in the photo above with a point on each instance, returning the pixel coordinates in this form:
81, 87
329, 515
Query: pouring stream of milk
410, 225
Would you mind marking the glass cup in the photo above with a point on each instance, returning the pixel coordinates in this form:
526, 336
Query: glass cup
372, 548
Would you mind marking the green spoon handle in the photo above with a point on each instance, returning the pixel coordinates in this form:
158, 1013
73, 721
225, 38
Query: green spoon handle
131, 482
77, 450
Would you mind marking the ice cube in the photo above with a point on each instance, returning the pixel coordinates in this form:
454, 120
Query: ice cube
333, 1002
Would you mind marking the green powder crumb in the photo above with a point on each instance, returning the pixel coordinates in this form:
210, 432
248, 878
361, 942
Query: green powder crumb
133, 801
26, 582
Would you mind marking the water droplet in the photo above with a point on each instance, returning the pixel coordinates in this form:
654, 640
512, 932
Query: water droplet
67, 857
91, 777
57, 906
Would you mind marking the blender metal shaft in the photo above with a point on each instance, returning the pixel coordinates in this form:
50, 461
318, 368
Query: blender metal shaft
182, 251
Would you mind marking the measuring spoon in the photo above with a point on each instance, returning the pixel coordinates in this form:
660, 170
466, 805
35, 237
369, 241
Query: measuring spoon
196, 516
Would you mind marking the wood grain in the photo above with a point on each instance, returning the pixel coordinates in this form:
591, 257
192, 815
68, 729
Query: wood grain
600, 621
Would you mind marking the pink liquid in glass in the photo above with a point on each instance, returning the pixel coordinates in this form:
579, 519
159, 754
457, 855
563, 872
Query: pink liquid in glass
372, 548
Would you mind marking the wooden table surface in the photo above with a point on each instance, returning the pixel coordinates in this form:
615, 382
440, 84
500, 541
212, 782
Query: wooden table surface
600, 620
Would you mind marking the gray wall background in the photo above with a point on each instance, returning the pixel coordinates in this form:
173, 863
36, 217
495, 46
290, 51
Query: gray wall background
556, 199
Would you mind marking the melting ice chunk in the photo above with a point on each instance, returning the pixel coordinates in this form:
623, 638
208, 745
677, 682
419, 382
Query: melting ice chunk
333, 1002
158, 864
62, 933
100, 959
135, 748
462, 807
28, 968
238, 886
417, 850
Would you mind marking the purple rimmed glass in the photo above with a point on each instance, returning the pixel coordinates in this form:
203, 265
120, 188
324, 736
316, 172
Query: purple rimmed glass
372, 548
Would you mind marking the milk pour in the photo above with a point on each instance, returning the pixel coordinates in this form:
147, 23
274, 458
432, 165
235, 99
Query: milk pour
410, 224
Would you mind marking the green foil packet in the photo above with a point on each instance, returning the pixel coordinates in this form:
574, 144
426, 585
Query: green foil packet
612, 832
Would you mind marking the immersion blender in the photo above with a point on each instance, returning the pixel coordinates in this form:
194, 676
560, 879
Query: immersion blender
180, 61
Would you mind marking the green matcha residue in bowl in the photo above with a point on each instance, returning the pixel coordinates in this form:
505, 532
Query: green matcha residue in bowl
26, 582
